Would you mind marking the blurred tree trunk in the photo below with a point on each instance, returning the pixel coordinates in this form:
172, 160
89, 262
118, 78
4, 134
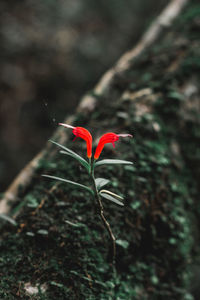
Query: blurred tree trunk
152, 93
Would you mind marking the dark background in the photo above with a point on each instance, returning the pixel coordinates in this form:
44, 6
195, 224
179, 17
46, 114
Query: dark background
51, 53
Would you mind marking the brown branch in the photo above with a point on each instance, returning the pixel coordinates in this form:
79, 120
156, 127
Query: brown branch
108, 228
88, 103
103, 218
23, 179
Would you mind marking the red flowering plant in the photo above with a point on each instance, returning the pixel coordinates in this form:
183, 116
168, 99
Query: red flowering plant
97, 189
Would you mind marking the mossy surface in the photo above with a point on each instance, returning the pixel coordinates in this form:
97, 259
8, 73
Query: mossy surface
157, 230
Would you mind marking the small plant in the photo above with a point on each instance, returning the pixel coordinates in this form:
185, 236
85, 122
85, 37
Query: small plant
97, 189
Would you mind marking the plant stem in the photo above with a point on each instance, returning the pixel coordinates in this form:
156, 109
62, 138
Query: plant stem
105, 222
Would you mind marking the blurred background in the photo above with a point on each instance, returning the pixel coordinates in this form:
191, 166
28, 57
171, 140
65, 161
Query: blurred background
51, 53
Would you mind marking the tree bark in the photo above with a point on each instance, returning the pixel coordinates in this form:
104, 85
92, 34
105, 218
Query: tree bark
152, 93
88, 103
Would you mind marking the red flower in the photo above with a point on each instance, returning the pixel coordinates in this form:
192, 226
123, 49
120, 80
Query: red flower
83, 134
109, 137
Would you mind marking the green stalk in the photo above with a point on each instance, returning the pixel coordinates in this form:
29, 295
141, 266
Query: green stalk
90, 166
101, 213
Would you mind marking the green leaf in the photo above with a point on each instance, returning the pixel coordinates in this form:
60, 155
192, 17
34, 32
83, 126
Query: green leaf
73, 154
112, 194
124, 244
77, 157
31, 201
60, 285
175, 95
77, 225
8, 219
135, 205
100, 182
71, 182
112, 162
154, 279
43, 232
109, 196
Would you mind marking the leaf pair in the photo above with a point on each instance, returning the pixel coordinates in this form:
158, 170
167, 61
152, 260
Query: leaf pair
100, 182
81, 160
85, 163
